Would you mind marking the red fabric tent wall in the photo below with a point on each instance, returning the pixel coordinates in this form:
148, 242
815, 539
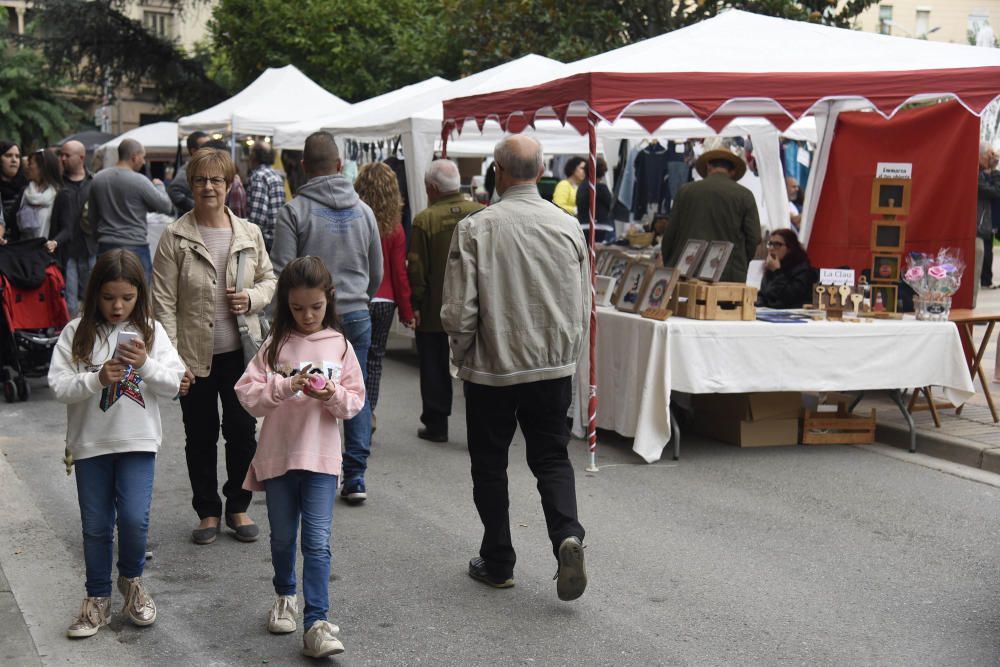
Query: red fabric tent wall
942, 142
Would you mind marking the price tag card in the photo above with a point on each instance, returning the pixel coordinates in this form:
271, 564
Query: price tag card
894, 170
836, 276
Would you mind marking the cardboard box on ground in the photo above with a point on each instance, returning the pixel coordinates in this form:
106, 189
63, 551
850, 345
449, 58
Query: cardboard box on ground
749, 420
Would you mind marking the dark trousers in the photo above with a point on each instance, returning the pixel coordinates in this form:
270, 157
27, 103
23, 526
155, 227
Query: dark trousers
435, 379
201, 429
492, 414
986, 277
381, 313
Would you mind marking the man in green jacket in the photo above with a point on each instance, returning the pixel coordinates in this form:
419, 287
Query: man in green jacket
428, 256
716, 208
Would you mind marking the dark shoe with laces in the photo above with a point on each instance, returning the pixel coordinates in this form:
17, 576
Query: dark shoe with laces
434, 436
354, 491
478, 571
571, 578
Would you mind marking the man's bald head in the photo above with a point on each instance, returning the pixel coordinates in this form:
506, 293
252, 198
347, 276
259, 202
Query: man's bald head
519, 160
320, 157
73, 154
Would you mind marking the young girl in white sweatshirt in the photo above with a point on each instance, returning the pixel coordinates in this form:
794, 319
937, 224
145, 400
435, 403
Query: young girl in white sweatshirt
113, 429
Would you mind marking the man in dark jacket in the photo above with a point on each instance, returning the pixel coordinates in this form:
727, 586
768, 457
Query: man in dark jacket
988, 191
716, 208
179, 191
74, 246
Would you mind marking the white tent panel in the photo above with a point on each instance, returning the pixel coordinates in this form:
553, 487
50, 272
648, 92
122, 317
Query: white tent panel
158, 138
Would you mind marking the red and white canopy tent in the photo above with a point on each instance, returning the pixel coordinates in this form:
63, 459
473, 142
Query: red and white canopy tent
739, 64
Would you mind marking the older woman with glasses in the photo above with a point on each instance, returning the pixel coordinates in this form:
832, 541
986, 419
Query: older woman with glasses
197, 300
788, 276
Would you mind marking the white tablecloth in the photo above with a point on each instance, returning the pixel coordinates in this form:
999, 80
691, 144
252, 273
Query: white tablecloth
640, 361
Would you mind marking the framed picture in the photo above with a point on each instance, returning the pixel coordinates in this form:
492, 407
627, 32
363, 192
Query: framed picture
631, 285
883, 298
659, 288
605, 288
886, 267
616, 265
691, 256
891, 196
716, 259
888, 236
603, 255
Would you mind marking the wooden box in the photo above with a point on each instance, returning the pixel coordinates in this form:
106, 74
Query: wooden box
719, 301
838, 428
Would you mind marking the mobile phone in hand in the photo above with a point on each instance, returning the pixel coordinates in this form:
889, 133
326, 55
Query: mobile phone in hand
124, 338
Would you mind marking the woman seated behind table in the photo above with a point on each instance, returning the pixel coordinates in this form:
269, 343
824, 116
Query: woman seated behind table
788, 276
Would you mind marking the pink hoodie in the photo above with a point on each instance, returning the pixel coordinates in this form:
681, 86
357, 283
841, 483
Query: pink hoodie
299, 432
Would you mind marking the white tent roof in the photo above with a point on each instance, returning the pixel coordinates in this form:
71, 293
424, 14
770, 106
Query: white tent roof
155, 138
279, 97
813, 48
294, 136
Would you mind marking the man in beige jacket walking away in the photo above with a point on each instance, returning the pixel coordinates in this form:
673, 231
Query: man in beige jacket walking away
516, 310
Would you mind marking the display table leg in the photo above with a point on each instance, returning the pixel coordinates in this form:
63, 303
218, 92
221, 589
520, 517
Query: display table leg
675, 434
857, 399
897, 397
976, 364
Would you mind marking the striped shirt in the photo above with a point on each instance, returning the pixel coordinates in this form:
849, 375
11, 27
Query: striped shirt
218, 241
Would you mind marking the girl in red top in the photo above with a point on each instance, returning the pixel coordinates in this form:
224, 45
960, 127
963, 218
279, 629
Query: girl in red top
376, 185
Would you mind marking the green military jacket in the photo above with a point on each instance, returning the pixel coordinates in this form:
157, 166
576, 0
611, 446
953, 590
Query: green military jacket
714, 209
430, 241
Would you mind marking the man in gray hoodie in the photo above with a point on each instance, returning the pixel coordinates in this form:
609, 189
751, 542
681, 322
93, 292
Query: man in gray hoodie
328, 220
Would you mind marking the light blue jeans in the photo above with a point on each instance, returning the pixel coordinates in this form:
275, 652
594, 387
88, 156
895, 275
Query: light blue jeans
309, 496
110, 486
77, 276
357, 327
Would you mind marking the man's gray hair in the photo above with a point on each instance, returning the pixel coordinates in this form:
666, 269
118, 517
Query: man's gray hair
127, 148
443, 176
984, 148
519, 164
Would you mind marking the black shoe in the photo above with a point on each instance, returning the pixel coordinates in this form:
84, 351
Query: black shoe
434, 436
248, 532
571, 578
205, 535
478, 571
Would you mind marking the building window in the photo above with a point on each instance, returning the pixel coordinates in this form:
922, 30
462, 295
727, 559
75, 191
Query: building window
885, 19
160, 24
923, 22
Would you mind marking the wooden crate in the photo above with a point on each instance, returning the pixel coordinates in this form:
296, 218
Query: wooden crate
718, 301
838, 428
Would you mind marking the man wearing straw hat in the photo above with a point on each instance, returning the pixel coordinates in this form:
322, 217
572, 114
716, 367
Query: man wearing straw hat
716, 208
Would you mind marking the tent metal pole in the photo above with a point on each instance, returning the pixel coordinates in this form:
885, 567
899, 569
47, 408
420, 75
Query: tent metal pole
592, 215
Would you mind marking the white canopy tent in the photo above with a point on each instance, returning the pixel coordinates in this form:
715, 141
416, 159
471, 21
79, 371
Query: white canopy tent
159, 139
280, 97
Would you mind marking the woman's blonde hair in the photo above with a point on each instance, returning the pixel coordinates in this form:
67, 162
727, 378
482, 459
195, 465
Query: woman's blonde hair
377, 186
210, 159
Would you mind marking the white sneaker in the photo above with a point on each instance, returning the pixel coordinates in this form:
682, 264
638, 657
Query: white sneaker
320, 641
281, 620
94, 614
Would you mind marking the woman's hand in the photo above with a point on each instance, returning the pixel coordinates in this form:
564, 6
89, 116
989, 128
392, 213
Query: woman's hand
186, 382
134, 353
239, 302
324, 394
112, 371
51, 246
772, 263
409, 324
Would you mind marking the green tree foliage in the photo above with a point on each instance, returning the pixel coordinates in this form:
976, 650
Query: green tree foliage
32, 112
353, 48
95, 44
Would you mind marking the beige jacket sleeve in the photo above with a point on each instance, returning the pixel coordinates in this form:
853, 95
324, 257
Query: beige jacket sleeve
165, 285
264, 281
460, 302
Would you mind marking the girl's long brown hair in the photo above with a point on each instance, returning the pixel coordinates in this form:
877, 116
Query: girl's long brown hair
309, 272
111, 266
377, 186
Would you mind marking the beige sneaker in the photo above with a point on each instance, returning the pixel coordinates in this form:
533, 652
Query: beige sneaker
281, 620
94, 613
320, 641
139, 605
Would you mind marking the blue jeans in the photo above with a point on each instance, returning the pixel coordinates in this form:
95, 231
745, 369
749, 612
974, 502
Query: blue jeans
77, 276
357, 327
106, 486
141, 251
309, 496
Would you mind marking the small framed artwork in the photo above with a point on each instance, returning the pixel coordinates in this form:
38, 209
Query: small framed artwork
605, 288
631, 285
716, 259
616, 265
659, 288
691, 256
888, 236
891, 196
603, 255
886, 267
883, 298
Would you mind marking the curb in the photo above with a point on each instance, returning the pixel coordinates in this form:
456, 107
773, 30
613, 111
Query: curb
943, 446
16, 645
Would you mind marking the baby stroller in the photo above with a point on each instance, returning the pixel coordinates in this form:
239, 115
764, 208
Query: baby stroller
32, 314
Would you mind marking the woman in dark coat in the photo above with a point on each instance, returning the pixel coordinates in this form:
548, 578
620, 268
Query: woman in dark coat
788, 277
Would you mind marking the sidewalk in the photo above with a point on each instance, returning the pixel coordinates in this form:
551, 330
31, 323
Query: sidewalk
16, 645
972, 438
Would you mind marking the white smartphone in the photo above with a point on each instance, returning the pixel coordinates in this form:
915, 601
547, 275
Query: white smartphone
124, 338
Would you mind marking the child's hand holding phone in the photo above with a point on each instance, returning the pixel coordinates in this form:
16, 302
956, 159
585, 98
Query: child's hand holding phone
131, 349
320, 388
112, 371
300, 381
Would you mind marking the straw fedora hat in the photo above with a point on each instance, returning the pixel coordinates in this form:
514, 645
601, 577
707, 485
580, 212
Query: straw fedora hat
719, 151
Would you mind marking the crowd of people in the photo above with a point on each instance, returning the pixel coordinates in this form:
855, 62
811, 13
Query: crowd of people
485, 289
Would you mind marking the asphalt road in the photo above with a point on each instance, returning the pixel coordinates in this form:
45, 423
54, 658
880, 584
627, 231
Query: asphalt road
789, 555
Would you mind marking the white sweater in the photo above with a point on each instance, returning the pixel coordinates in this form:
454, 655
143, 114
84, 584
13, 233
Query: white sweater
120, 418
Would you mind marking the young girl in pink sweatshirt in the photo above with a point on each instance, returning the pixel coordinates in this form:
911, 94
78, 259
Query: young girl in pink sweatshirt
304, 379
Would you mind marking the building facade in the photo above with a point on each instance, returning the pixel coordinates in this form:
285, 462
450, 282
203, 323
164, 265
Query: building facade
955, 21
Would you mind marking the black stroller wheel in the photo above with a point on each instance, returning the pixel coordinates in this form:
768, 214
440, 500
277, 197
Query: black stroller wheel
23, 388
9, 391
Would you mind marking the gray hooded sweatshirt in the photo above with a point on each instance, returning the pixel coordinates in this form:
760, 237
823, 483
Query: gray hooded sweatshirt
327, 219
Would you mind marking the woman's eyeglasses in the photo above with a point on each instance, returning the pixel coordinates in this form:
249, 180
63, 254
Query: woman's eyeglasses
202, 181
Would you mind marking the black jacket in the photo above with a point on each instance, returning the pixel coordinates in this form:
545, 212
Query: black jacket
788, 287
67, 211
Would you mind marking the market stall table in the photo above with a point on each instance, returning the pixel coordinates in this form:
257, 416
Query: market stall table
640, 362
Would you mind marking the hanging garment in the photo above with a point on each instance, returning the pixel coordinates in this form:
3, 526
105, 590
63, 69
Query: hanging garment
651, 179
